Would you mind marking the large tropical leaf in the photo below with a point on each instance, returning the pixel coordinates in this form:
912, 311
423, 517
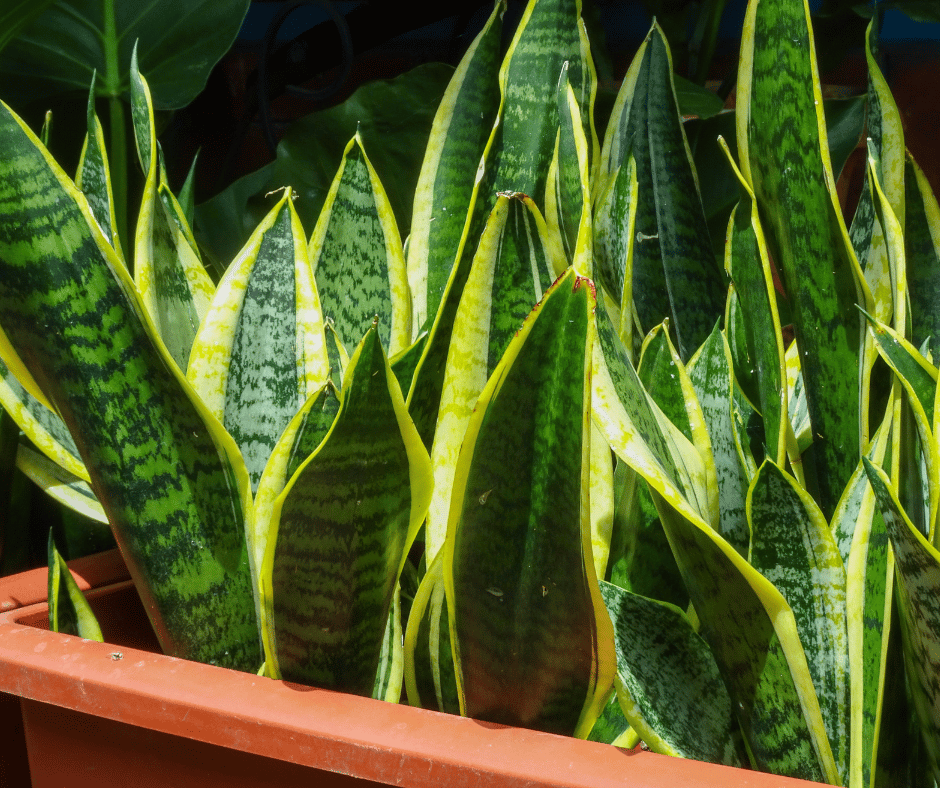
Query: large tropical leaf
172, 483
179, 41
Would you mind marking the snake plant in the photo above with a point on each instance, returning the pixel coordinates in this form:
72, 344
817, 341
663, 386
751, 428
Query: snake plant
552, 462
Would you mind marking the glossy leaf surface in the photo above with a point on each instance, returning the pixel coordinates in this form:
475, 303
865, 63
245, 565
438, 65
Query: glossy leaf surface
527, 626
157, 463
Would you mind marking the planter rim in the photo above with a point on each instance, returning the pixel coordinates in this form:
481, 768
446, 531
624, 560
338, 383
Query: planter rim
365, 738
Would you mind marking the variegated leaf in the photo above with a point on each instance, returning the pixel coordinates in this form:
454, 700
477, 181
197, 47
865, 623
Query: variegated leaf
261, 350
357, 257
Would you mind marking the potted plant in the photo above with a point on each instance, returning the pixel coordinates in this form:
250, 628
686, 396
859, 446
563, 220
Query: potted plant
643, 513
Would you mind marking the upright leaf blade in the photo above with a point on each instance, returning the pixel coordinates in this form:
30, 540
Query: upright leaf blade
792, 546
261, 350
784, 157
344, 524
532, 643
461, 129
357, 257
69, 611
158, 462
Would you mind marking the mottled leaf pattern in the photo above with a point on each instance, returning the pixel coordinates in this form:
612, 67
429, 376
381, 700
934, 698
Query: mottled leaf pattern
461, 129
529, 632
792, 546
357, 257
781, 140
918, 576
668, 682
511, 270
170, 480
261, 351
340, 532
674, 271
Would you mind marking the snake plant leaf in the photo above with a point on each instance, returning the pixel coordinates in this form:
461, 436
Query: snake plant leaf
158, 461
918, 581
532, 642
664, 376
340, 532
388, 676
612, 727
922, 251
675, 273
187, 193
568, 190
406, 362
919, 379
174, 286
357, 257
459, 134
300, 439
511, 270
59, 484
753, 636
748, 264
637, 430
94, 177
550, 33
69, 611
614, 230
430, 674
886, 152
261, 350
40, 424
793, 547
602, 500
712, 378
784, 158
668, 683
516, 159
861, 538
178, 42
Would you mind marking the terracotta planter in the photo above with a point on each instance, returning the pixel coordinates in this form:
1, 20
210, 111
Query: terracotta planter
118, 714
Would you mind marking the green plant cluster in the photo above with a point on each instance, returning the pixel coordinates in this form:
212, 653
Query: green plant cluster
551, 461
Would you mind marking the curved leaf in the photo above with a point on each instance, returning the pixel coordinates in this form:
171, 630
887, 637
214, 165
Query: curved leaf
357, 257
340, 533
261, 350
179, 42
159, 462
532, 643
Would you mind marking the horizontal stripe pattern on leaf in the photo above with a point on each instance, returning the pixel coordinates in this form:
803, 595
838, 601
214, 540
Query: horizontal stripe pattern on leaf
521, 586
345, 522
168, 480
357, 257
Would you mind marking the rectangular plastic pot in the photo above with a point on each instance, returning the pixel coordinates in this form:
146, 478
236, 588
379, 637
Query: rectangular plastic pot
120, 714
